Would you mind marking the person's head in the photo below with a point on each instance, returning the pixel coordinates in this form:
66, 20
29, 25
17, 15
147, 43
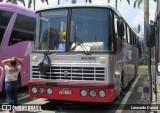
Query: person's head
13, 63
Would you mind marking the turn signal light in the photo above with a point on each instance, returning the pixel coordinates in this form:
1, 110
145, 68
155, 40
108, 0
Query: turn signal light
34, 58
158, 87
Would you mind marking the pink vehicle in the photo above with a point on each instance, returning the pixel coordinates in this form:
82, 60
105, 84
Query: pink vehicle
17, 27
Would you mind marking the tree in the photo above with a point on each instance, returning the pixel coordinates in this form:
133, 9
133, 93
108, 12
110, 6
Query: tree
30, 3
45, 1
23, 2
90, 1
15, 1
139, 2
146, 16
58, 2
116, 2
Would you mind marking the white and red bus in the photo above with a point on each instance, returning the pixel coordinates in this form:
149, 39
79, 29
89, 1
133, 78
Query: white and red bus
17, 29
153, 42
84, 53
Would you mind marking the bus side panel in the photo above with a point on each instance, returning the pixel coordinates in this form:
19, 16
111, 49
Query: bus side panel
25, 49
3, 50
118, 68
21, 50
131, 64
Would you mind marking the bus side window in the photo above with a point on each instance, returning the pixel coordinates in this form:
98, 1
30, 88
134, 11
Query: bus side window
132, 39
128, 35
5, 17
135, 40
125, 34
126, 31
23, 29
115, 25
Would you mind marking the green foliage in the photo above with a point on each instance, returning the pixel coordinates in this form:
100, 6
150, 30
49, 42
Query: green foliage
30, 2
143, 70
139, 2
15, 1
117, 2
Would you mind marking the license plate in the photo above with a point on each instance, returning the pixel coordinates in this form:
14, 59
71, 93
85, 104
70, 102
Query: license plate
65, 92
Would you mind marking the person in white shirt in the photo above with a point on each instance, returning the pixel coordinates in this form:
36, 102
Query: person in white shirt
11, 79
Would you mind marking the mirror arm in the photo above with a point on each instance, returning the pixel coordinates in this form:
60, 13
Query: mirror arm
153, 23
158, 15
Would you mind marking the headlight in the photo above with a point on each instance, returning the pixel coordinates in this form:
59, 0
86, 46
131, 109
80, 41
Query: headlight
102, 93
49, 91
41, 90
83, 93
34, 58
92, 93
34, 90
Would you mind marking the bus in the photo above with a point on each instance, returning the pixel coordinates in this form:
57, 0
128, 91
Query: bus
17, 27
83, 53
153, 43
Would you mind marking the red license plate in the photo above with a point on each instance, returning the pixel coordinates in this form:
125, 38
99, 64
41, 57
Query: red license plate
65, 92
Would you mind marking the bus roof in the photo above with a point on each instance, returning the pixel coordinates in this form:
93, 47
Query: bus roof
80, 5
15, 8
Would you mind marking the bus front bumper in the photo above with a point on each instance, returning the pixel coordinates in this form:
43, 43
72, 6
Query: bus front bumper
71, 91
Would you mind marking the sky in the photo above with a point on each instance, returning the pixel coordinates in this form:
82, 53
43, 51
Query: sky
133, 16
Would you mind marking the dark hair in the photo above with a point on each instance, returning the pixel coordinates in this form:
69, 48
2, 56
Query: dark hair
13, 63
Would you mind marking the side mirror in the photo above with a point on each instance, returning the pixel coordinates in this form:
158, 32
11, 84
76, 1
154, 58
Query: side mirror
121, 29
150, 40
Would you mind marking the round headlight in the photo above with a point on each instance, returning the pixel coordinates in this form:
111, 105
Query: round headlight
49, 91
102, 93
41, 90
92, 93
34, 90
83, 93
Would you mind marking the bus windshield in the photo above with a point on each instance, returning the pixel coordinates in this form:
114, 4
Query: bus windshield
77, 29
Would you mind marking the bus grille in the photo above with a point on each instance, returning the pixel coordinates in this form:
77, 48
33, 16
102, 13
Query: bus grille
71, 73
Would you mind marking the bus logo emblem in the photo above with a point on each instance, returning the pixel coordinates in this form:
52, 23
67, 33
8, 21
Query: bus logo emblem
65, 73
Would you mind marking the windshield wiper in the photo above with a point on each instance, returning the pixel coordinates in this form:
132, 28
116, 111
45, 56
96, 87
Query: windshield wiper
45, 64
77, 41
